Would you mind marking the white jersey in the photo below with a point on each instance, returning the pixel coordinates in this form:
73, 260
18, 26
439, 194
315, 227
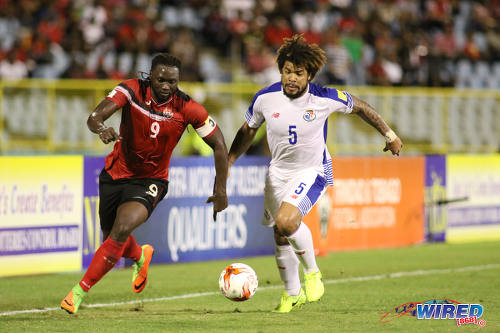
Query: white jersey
297, 128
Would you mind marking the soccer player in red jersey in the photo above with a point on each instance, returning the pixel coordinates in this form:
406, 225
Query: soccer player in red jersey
155, 113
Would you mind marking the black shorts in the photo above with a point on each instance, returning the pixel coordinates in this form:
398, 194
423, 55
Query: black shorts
113, 193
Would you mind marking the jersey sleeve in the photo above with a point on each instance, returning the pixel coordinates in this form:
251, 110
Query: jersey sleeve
198, 117
342, 100
119, 95
254, 116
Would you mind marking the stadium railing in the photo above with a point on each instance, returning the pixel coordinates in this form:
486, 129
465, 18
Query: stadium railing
40, 116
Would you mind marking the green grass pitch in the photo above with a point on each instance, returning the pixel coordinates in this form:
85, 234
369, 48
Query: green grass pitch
360, 287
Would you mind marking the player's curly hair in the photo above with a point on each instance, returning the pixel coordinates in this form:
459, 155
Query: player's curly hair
297, 51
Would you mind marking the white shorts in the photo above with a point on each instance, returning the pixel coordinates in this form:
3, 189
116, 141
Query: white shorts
302, 190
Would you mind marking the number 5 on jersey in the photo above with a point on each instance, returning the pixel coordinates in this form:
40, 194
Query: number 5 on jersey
293, 134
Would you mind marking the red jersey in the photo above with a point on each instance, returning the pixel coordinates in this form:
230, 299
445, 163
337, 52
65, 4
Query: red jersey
151, 130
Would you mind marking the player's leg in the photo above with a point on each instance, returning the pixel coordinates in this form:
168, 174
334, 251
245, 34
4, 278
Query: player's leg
302, 243
304, 193
131, 250
148, 192
129, 216
110, 193
136, 200
286, 260
288, 266
289, 223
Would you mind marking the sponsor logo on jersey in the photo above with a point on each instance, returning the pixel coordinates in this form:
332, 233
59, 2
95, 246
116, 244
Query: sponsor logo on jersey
309, 115
276, 115
167, 112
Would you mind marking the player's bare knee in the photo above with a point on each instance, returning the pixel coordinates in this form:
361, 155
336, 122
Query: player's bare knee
286, 225
120, 231
279, 239
122, 228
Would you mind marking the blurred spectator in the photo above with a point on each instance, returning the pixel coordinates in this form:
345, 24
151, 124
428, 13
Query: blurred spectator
9, 26
445, 43
376, 74
276, 31
480, 18
13, 68
425, 40
184, 48
93, 19
261, 62
392, 69
493, 42
413, 55
214, 30
437, 14
354, 44
471, 49
338, 65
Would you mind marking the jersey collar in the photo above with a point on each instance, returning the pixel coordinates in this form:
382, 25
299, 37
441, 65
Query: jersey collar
153, 102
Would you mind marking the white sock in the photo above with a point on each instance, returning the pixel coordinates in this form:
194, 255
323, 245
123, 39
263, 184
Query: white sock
288, 266
302, 243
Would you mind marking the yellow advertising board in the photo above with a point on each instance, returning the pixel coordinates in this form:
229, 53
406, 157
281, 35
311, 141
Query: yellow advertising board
474, 181
40, 214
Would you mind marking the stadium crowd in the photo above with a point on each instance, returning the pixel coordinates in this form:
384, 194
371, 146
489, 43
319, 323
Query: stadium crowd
368, 42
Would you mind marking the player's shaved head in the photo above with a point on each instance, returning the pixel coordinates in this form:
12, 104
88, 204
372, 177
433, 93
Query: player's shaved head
297, 51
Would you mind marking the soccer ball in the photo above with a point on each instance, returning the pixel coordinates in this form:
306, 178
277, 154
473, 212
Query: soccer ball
238, 282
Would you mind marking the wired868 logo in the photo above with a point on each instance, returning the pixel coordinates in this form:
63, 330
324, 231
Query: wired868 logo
438, 309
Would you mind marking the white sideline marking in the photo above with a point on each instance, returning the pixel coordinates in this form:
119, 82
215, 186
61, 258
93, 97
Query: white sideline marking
210, 293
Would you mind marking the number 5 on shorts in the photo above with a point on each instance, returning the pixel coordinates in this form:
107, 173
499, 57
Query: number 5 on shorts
300, 188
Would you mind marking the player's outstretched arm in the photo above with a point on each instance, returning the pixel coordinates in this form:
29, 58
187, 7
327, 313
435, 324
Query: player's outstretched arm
241, 142
219, 196
369, 115
95, 122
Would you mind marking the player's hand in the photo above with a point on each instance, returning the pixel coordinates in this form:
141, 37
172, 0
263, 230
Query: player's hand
108, 135
219, 201
394, 146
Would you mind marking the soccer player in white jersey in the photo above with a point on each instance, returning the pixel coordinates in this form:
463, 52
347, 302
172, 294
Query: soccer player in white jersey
296, 112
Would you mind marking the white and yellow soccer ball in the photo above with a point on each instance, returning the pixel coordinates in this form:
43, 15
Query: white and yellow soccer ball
238, 282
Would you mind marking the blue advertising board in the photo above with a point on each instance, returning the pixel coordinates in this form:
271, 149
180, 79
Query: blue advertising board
92, 237
182, 227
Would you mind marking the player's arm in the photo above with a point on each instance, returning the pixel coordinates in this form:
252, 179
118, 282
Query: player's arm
217, 143
95, 122
369, 115
241, 142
